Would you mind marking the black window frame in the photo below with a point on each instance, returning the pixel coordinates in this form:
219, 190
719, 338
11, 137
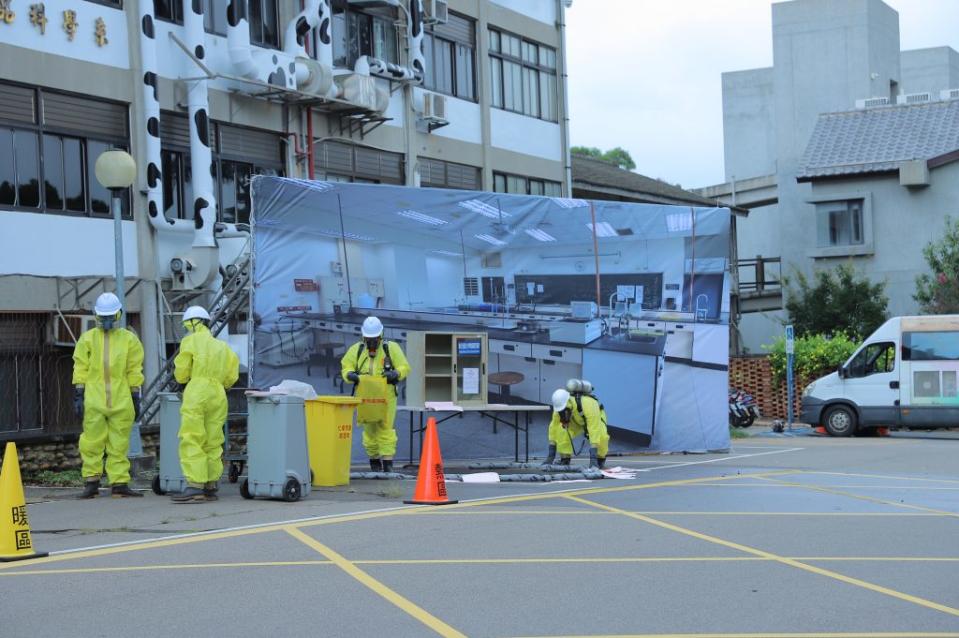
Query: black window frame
429, 47
113, 4
261, 40
209, 26
528, 181
181, 153
340, 18
497, 57
39, 130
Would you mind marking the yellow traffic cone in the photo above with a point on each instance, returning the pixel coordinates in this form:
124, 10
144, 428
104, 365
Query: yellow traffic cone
15, 540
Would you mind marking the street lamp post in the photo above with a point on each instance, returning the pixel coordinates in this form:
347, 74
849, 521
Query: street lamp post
117, 171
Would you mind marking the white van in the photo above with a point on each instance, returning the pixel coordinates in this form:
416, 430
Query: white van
903, 375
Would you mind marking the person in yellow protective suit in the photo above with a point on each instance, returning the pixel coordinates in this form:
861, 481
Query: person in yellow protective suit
374, 367
208, 367
574, 414
107, 375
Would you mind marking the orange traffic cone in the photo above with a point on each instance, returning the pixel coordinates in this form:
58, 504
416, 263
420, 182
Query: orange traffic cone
15, 540
821, 430
430, 482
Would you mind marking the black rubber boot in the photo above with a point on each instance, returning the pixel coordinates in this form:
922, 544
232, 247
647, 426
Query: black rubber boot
91, 489
550, 455
189, 495
210, 490
387, 465
376, 465
564, 460
122, 490
601, 461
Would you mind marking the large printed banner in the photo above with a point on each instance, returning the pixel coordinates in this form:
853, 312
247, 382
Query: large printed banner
632, 297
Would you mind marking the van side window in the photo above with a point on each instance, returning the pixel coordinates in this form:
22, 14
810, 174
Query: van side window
930, 346
875, 358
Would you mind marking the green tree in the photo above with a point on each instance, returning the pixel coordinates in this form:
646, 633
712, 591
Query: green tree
835, 301
586, 151
618, 156
938, 293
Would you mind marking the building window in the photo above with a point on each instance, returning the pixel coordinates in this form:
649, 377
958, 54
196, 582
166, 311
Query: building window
522, 76
450, 52
441, 174
49, 167
519, 185
116, 4
238, 154
168, 10
264, 23
214, 17
340, 162
840, 223
358, 33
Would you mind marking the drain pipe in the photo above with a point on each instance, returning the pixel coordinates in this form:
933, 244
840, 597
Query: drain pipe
203, 255
151, 112
416, 58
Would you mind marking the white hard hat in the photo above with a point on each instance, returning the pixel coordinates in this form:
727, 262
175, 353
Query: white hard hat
108, 304
196, 312
372, 327
559, 400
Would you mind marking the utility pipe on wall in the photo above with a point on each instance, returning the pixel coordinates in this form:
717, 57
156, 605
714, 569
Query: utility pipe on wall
201, 158
151, 112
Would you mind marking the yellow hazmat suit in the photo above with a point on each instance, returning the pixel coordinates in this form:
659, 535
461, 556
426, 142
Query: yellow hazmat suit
108, 364
379, 437
592, 419
208, 367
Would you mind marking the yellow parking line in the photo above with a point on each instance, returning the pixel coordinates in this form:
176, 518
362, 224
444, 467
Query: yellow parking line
881, 476
870, 499
483, 561
782, 559
863, 634
405, 604
233, 533
137, 568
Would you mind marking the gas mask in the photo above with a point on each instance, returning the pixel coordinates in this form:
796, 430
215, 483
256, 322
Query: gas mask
193, 324
108, 322
372, 345
564, 417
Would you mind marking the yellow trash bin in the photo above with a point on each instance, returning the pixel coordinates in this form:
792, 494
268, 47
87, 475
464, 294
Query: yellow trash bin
329, 435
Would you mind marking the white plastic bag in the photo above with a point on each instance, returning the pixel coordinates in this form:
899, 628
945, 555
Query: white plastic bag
294, 388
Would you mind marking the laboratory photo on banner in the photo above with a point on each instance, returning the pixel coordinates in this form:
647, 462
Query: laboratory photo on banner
482, 300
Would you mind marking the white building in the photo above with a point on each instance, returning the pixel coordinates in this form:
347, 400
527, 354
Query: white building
450, 93
828, 55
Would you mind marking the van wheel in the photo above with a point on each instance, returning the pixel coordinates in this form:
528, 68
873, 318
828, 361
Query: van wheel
840, 420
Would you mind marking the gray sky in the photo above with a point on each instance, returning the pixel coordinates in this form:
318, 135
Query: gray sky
645, 74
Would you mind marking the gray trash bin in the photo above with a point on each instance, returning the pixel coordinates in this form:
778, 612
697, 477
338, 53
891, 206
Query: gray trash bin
170, 478
278, 464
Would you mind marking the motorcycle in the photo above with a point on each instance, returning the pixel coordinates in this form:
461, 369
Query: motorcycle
743, 409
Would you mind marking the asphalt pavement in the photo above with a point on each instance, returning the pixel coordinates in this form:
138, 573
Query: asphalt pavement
783, 536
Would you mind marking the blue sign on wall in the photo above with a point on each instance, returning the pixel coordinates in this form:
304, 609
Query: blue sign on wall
469, 347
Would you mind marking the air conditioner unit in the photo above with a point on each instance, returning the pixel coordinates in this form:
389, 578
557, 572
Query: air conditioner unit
64, 330
434, 106
949, 94
914, 98
436, 11
872, 102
